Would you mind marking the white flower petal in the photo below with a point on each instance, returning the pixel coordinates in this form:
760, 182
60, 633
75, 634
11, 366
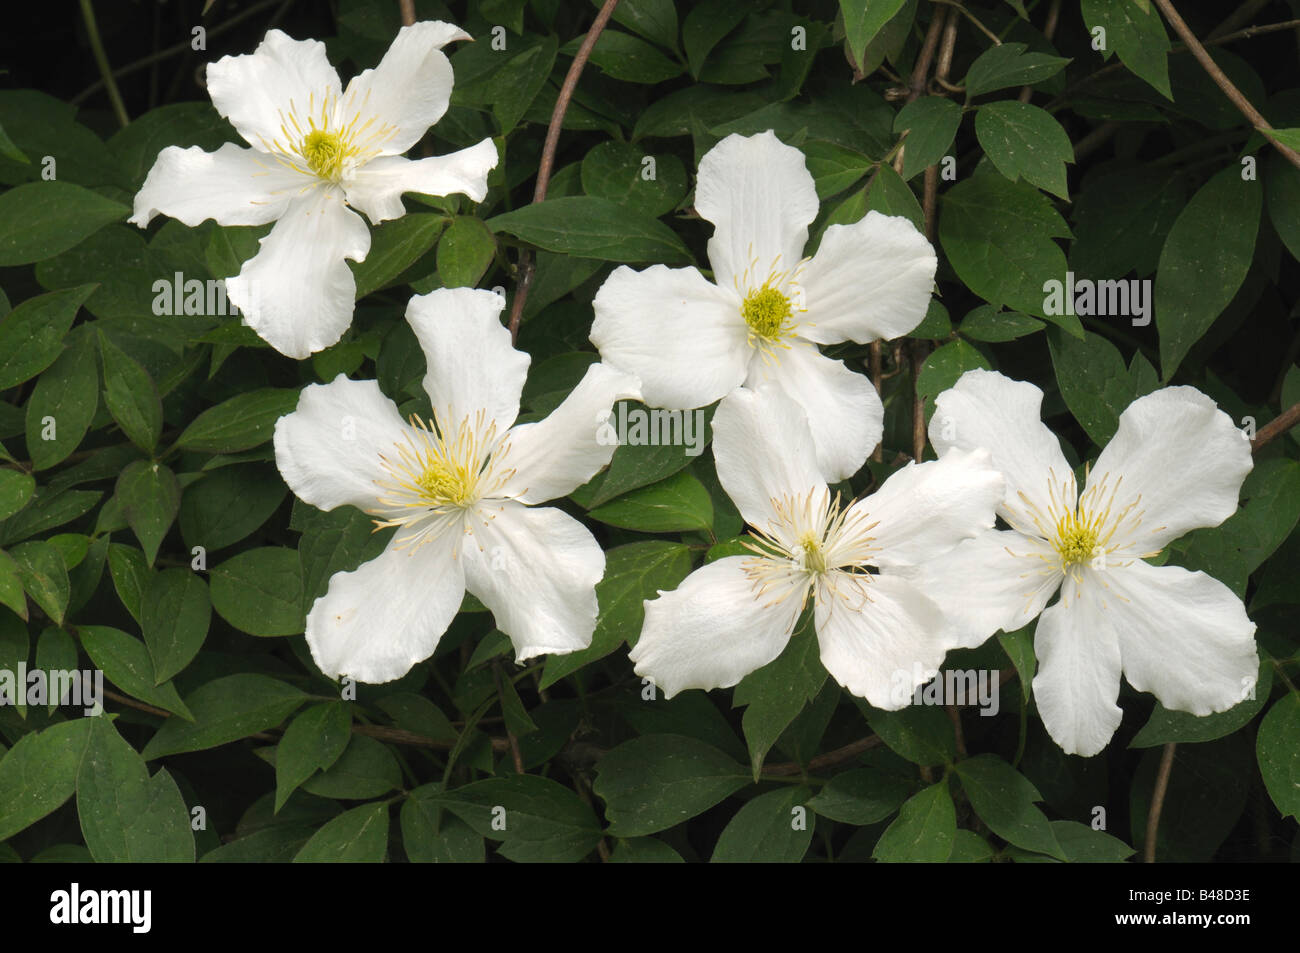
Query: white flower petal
1185, 458
681, 336
997, 580
536, 569
472, 365
553, 457
378, 621
257, 92
843, 409
232, 186
712, 630
925, 509
759, 195
328, 449
410, 88
297, 292
1077, 684
764, 452
986, 409
376, 188
1183, 636
886, 648
868, 281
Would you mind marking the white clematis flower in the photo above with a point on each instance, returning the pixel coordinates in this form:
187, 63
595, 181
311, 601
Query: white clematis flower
460, 489
691, 341
1176, 463
316, 150
736, 614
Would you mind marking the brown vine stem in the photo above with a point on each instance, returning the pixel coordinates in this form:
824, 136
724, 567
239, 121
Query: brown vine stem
1049, 31
515, 755
1277, 426
526, 266
408, 12
1220, 78
1158, 799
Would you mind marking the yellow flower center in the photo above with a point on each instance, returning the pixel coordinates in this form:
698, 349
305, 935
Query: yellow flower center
768, 313
446, 482
324, 152
813, 559
1076, 539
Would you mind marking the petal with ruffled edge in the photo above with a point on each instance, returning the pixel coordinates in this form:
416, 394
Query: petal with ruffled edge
868, 281
764, 453
712, 630
376, 188
760, 197
232, 186
1183, 636
410, 88
536, 569
1078, 678
297, 292
259, 91
1183, 456
884, 649
842, 407
554, 456
986, 409
376, 622
472, 365
328, 449
997, 580
682, 336
925, 509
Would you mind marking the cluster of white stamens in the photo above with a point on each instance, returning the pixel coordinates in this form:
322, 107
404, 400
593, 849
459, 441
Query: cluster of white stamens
330, 140
438, 476
769, 307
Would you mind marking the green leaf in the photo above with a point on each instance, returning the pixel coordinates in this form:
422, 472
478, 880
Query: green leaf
62, 405
465, 252
931, 124
226, 505
1094, 381
11, 593
656, 20
536, 819
987, 323
998, 238
127, 816
1004, 800
1121, 220
622, 56
16, 489
863, 19
944, 367
394, 247
225, 710
338, 541
924, 830
39, 773
592, 227
520, 79
366, 769
130, 574
150, 496
1135, 33
259, 591
633, 573
1010, 64
1204, 262
312, 742
705, 25
432, 835
1278, 749
358, 836
1019, 646
655, 782
240, 423
834, 167
38, 220
861, 796
644, 850
44, 575
175, 612
773, 828
775, 694
1083, 845
620, 172
677, 504
1025, 141
125, 662
131, 396
920, 733
31, 335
